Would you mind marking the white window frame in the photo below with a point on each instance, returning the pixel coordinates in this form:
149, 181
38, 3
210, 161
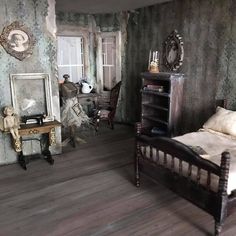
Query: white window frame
99, 59
78, 33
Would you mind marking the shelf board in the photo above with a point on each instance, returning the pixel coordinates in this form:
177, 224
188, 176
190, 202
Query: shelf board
155, 93
155, 106
153, 118
159, 76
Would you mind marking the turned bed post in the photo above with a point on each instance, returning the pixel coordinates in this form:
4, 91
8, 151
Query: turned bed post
222, 192
137, 154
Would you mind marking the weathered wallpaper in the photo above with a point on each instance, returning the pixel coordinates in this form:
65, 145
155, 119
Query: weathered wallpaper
33, 14
93, 24
208, 29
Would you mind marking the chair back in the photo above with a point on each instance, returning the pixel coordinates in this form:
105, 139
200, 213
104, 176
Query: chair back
114, 95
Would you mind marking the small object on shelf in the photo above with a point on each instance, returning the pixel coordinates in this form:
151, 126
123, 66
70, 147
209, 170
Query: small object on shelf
158, 88
153, 64
30, 119
154, 67
86, 88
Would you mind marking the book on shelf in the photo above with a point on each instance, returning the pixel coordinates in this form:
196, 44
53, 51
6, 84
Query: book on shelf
158, 131
153, 87
200, 151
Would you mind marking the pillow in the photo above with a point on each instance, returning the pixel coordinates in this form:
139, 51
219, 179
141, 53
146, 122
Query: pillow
223, 121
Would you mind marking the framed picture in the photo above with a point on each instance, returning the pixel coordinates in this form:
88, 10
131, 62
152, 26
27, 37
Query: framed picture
32, 95
77, 109
17, 40
173, 51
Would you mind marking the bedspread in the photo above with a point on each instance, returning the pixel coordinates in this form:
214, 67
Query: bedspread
214, 143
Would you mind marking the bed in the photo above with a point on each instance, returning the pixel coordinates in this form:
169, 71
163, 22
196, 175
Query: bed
208, 178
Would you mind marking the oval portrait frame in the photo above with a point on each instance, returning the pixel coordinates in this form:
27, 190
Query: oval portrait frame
24, 42
173, 51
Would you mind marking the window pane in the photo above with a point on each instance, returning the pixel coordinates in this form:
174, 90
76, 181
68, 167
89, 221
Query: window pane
70, 57
109, 62
109, 77
76, 51
110, 54
64, 51
76, 72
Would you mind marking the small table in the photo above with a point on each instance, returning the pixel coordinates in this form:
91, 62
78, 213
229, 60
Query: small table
48, 128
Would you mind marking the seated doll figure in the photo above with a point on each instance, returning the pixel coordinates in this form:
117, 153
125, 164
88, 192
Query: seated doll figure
11, 122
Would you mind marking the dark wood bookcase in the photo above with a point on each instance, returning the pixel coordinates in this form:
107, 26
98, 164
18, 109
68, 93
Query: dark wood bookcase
161, 104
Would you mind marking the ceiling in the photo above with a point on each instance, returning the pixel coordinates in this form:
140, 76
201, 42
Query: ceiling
103, 6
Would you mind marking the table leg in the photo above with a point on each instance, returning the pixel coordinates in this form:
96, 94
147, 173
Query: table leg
48, 156
23, 160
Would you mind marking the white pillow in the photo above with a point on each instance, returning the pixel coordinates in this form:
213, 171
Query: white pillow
223, 121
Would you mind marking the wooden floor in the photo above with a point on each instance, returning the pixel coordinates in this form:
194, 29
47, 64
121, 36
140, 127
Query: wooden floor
90, 191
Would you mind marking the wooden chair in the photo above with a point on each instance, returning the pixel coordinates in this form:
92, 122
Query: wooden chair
106, 111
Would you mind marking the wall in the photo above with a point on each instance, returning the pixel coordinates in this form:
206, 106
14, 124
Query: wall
34, 14
90, 25
208, 28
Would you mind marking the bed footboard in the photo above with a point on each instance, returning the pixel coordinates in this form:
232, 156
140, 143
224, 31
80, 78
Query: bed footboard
182, 170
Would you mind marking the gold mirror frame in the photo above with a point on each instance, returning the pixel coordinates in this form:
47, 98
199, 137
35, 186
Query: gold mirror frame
173, 51
17, 40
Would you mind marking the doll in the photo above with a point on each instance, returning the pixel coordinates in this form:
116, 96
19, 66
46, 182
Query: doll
11, 122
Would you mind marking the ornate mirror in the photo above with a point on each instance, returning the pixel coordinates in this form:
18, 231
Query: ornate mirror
173, 51
17, 40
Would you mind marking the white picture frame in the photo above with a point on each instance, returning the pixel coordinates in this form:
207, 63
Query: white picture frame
32, 95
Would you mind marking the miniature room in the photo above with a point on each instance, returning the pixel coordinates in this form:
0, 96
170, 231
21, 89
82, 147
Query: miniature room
117, 117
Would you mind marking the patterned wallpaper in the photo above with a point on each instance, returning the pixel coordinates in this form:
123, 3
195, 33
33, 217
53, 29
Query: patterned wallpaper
106, 22
209, 34
208, 29
93, 24
71, 18
32, 13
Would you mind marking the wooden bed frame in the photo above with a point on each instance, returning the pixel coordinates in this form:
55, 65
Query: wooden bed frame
218, 204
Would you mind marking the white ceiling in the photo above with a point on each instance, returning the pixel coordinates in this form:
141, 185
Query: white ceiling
103, 6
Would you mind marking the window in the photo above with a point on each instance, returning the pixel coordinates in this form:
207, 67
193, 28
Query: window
70, 58
109, 63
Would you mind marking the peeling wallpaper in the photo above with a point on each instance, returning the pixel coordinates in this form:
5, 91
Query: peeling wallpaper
93, 24
71, 18
208, 29
33, 14
106, 22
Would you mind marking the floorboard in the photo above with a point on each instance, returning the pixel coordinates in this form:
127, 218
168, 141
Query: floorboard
89, 191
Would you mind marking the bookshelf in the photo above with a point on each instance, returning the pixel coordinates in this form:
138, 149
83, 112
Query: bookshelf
161, 103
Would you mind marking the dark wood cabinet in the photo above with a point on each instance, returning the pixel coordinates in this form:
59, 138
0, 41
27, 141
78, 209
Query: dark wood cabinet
161, 96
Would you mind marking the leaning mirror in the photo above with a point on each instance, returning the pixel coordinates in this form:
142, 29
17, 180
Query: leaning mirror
32, 95
173, 51
17, 40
